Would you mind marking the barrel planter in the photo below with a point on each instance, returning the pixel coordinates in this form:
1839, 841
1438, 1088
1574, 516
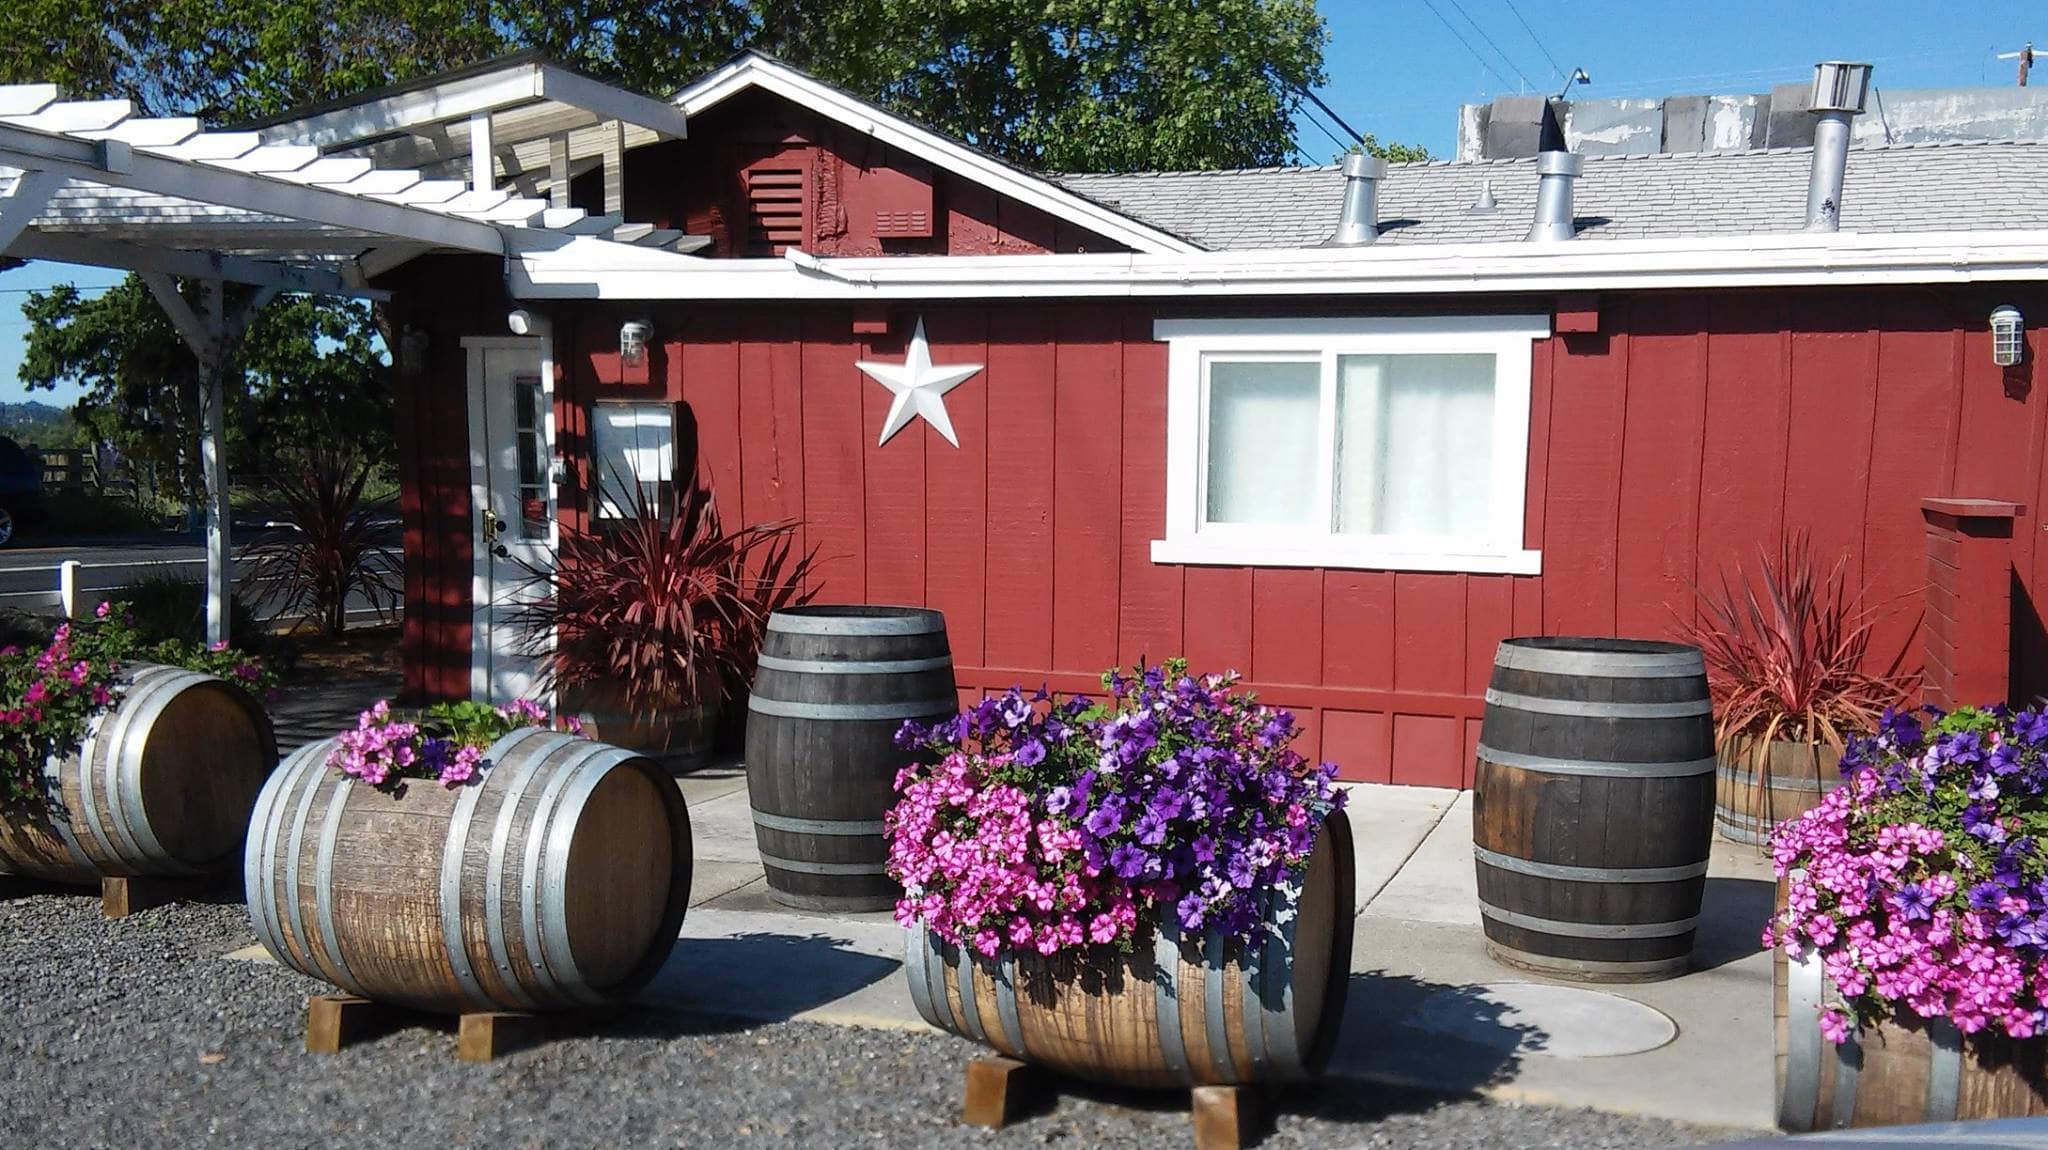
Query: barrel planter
679, 738
1903, 1071
1593, 807
835, 685
162, 785
1763, 783
557, 880
1174, 1011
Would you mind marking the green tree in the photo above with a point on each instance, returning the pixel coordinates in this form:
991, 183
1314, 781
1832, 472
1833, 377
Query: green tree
305, 360
1391, 153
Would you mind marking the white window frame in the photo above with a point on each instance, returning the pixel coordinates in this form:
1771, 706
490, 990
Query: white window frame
1192, 343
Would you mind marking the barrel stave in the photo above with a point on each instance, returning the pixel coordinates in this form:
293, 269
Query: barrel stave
1214, 1018
162, 784
543, 886
834, 686
1592, 806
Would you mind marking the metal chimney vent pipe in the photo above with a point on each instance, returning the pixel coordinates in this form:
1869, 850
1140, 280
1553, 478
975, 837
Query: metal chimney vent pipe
1358, 219
1556, 173
1839, 90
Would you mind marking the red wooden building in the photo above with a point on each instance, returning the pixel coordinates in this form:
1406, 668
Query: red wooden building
1196, 427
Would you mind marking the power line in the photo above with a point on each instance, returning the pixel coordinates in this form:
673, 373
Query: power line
1453, 29
1536, 40
1505, 58
1341, 145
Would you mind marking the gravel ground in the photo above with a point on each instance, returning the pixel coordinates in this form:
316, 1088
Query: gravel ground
138, 1033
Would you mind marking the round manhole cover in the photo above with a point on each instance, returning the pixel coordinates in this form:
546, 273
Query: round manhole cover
1538, 1018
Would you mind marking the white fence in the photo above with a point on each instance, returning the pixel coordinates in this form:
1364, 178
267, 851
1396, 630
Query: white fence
74, 588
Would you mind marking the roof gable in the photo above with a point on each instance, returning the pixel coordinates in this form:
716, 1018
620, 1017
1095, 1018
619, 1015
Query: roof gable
753, 70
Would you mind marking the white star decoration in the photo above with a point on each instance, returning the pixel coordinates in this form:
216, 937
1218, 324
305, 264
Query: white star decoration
919, 387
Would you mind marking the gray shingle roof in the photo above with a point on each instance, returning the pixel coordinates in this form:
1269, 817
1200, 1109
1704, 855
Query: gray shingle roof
1991, 185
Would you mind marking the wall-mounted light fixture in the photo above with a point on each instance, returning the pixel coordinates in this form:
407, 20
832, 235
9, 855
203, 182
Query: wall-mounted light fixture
2008, 336
633, 336
520, 321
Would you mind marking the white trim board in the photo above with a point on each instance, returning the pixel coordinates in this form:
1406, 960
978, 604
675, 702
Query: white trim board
752, 70
574, 270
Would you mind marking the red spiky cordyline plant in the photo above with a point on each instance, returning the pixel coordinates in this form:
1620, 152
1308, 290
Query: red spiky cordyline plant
667, 609
1788, 651
327, 543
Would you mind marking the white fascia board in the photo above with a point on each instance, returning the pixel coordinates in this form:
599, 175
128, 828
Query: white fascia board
1048, 197
1789, 260
75, 249
467, 96
209, 184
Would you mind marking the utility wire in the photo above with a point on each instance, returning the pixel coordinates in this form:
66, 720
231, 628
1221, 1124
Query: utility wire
1341, 145
1505, 58
1453, 28
1536, 40
1332, 114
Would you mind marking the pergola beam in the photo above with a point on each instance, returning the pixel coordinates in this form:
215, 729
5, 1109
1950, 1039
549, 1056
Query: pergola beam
30, 195
117, 165
63, 247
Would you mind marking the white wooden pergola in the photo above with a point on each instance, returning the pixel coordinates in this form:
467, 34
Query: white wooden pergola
293, 207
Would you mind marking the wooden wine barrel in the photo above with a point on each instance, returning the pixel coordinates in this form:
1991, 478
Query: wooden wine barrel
558, 880
1760, 785
1895, 1073
161, 785
834, 686
1593, 807
1172, 1012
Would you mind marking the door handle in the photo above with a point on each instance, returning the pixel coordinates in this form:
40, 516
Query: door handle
493, 526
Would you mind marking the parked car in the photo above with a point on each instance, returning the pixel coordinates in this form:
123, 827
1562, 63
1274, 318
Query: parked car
21, 489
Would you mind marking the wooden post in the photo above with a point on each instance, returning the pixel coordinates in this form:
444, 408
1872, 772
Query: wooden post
997, 1089
1224, 1117
1967, 632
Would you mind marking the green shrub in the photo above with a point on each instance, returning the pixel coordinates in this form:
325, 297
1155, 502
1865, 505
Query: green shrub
167, 606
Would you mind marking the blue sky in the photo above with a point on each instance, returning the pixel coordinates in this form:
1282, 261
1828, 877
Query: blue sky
1400, 68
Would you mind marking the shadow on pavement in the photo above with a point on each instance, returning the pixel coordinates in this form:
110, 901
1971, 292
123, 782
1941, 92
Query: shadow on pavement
763, 975
1443, 1038
1732, 916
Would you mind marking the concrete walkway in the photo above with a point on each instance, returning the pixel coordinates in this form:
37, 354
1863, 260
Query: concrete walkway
1426, 1007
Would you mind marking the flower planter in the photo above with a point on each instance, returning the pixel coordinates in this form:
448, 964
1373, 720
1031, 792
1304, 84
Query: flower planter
1759, 785
679, 738
557, 879
162, 785
1897, 1072
1173, 1012
834, 686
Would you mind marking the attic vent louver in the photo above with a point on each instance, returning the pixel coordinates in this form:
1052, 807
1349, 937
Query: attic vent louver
777, 206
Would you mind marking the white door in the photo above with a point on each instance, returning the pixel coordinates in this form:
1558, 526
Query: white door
511, 439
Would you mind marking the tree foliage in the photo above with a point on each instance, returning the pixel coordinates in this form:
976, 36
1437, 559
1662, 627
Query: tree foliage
306, 360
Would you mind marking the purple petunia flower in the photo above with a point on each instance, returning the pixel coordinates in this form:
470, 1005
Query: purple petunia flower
1127, 861
1105, 819
1150, 829
1030, 754
1913, 902
1191, 911
1985, 895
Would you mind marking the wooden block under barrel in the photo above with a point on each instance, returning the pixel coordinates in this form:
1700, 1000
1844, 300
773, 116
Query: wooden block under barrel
337, 1020
1224, 1117
489, 1035
997, 1089
123, 896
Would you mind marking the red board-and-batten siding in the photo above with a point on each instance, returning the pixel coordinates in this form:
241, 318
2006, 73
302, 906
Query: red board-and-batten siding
1691, 430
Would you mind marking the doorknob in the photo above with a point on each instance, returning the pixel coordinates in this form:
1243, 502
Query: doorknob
498, 549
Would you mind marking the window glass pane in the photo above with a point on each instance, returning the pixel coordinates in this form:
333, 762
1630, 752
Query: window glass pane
1414, 444
631, 443
1261, 442
533, 502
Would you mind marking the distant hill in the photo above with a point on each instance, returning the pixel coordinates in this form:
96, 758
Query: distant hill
39, 423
